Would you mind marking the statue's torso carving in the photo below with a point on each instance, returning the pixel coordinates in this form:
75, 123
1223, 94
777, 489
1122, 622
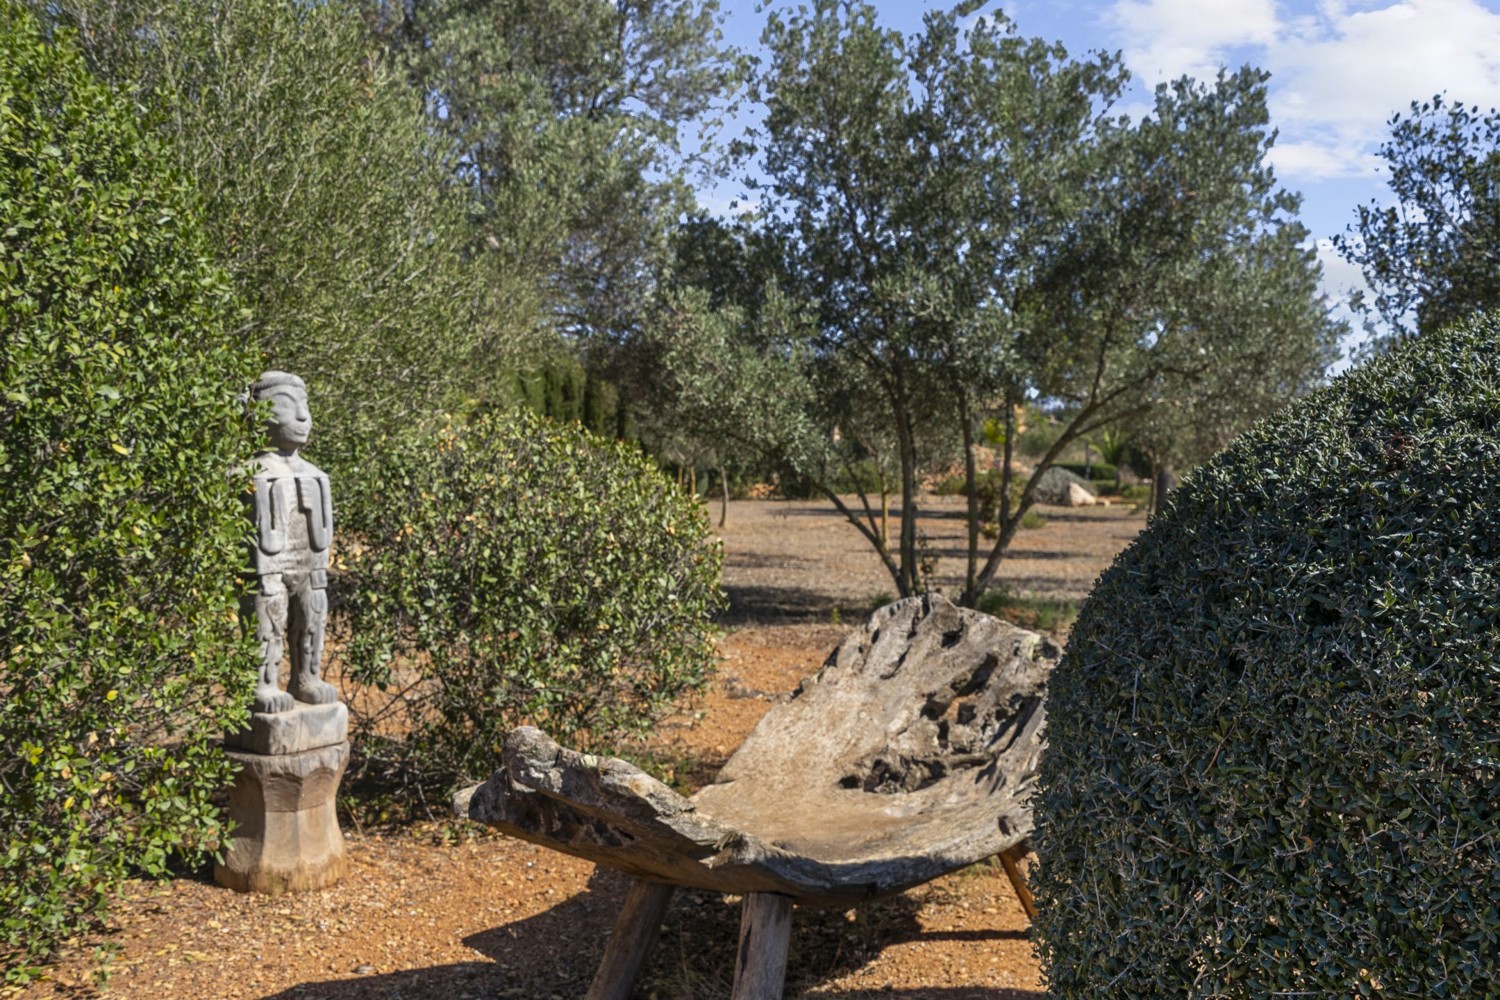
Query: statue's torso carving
293, 515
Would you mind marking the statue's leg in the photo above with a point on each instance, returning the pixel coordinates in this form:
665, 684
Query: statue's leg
269, 604
309, 618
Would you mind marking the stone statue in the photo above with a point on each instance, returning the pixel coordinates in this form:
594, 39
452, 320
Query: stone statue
293, 514
293, 750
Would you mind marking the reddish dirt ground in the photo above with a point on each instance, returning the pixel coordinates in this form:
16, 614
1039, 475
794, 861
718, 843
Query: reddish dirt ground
444, 910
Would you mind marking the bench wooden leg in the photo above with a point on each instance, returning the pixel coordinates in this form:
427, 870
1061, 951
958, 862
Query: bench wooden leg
631, 941
1008, 858
765, 935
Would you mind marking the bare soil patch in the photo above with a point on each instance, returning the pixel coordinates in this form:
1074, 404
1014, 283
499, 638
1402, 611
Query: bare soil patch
798, 560
444, 910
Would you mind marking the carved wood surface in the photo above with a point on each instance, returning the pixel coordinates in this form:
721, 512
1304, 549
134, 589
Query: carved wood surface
909, 754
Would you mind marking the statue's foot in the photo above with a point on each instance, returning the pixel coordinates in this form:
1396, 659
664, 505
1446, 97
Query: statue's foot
271, 700
314, 691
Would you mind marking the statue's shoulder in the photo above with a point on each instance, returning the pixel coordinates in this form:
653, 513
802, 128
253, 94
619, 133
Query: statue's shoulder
270, 465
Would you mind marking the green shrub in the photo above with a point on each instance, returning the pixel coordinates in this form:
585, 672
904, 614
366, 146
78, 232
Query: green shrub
1098, 470
951, 486
987, 486
1041, 433
1274, 740
1104, 487
516, 571
121, 529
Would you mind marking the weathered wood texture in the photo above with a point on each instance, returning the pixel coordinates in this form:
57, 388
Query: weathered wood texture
1010, 858
765, 938
909, 754
631, 941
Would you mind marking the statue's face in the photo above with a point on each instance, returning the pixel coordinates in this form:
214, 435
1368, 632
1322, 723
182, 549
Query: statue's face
290, 422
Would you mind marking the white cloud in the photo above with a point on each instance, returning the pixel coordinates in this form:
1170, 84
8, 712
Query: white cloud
1320, 161
1364, 65
1340, 278
1340, 68
1163, 39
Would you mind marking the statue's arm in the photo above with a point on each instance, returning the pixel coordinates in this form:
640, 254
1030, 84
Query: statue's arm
270, 534
312, 492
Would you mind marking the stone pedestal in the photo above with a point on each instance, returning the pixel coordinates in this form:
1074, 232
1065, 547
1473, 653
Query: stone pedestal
306, 727
286, 831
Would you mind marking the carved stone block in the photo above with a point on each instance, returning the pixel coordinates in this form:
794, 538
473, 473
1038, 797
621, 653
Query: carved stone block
302, 727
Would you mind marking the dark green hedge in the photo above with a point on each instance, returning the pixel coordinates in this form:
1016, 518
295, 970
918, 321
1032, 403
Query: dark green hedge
1096, 470
1274, 740
517, 571
120, 525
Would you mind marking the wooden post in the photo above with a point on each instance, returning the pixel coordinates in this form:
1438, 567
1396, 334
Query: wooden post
1008, 858
631, 941
765, 935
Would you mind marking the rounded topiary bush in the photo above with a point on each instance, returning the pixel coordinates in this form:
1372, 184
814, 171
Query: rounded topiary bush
1273, 763
121, 529
516, 571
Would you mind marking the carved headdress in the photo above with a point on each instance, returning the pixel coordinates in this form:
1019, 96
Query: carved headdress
275, 380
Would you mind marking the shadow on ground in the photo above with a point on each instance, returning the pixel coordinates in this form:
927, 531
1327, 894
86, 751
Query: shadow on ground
776, 606
552, 956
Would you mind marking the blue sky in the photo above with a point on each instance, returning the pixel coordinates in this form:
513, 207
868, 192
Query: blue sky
1339, 70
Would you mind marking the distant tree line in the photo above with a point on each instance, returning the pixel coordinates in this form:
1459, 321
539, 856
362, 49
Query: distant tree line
434, 206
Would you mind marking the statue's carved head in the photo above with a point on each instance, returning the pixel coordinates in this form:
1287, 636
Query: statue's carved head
290, 422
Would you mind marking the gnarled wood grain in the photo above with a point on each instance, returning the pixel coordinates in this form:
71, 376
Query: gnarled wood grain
909, 754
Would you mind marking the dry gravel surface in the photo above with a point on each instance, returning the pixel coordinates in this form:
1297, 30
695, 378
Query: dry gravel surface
447, 910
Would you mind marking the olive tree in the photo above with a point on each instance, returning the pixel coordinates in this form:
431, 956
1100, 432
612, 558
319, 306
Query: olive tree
575, 127
1432, 257
328, 198
964, 227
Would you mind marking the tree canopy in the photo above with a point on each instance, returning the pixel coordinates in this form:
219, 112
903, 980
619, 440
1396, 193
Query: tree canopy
962, 225
327, 197
574, 126
411, 196
1433, 257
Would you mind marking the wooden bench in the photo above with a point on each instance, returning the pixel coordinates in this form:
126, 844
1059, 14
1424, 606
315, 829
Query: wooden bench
910, 754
